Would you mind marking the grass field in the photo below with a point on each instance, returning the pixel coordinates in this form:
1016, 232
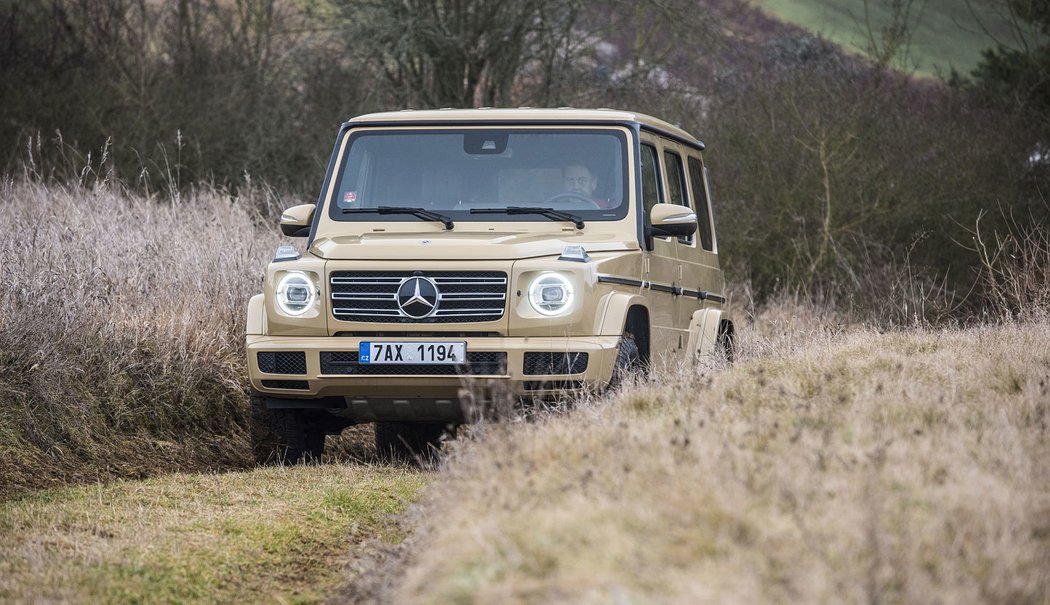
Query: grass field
833, 462
947, 33
277, 535
830, 464
829, 467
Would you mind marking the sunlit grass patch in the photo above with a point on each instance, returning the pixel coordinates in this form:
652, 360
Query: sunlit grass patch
271, 534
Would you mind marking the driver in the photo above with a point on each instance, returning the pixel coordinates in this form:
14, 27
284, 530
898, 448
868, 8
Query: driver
581, 181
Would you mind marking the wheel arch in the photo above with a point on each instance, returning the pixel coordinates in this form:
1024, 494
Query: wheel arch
706, 329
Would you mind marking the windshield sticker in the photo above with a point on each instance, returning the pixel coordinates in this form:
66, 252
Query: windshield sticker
350, 197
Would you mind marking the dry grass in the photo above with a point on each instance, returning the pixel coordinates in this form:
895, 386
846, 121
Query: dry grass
829, 464
824, 467
271, 535
120, 331
1015, 267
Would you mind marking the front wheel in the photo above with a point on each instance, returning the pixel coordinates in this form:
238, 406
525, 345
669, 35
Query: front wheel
628, 360
284, 436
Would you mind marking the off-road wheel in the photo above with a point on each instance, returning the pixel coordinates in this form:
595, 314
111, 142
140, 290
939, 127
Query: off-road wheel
409, 441
285, 436
628, 360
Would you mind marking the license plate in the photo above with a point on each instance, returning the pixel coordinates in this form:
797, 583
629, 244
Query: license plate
413, 352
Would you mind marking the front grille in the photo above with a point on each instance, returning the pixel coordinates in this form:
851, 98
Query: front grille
554, 363
301, 385
478, 363
463, 296
282, 362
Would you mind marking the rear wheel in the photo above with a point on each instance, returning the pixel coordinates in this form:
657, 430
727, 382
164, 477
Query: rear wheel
409, 441
727, 339
285, 436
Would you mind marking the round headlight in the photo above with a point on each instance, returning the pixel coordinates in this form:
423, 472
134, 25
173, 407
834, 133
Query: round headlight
550, 294
295, 293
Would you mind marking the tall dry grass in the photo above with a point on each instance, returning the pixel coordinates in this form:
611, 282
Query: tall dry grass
1015, 266
121, 323
829, 465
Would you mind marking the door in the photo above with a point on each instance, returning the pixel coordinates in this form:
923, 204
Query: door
702, 263
661, 263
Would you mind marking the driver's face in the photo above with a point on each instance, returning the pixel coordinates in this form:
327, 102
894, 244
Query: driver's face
578, 179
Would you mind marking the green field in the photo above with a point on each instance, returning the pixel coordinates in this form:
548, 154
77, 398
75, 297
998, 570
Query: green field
947, 33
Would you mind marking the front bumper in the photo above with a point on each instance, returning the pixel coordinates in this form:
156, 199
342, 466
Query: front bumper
414, 393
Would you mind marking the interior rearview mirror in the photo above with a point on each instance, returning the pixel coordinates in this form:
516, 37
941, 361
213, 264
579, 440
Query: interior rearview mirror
295, 221
672, 220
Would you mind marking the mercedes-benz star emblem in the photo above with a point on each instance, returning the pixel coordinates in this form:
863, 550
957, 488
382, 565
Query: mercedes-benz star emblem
417, 297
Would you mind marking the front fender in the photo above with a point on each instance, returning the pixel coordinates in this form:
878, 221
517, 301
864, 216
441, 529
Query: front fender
256, 321
615, 315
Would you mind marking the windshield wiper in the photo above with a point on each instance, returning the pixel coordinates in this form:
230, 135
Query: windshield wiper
550, 213
420, 212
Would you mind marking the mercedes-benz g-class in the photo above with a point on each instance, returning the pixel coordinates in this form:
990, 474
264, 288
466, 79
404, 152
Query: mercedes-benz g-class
544, 251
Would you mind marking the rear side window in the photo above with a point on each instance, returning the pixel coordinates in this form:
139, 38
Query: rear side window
703, 205
676, 191
650, 179
675, 184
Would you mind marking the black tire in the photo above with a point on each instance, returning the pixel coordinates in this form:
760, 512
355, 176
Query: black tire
628, 360
285, 436
409, 441
727, 340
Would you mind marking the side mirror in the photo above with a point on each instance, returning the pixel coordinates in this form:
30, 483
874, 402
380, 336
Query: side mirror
672, 220
295, 221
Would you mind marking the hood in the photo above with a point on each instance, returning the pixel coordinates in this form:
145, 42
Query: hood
489, 245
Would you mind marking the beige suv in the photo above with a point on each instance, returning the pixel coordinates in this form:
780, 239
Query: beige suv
540, 251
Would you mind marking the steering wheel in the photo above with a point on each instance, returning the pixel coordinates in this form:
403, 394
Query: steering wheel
572, 196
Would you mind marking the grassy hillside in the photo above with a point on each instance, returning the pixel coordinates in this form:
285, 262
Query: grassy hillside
855, 467
947, 33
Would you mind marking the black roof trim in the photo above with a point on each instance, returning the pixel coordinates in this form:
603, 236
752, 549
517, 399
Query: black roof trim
694, 143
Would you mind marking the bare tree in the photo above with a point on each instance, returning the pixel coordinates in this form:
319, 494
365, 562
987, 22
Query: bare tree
461, 52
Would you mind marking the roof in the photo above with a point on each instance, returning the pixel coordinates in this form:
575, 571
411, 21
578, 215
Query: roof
525, 114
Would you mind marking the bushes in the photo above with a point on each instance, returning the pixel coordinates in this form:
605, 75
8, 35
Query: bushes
189, 91
833, 177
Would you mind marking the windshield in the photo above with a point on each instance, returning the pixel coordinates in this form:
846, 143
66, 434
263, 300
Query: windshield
454, 171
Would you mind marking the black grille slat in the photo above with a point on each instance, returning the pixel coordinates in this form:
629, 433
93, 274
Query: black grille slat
416, 334
371, 296
300, 385
554, 363
478, 363
282, 362
548, 385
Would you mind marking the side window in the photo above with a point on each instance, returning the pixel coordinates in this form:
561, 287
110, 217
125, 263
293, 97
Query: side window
676, 184
650, 179
703, 205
